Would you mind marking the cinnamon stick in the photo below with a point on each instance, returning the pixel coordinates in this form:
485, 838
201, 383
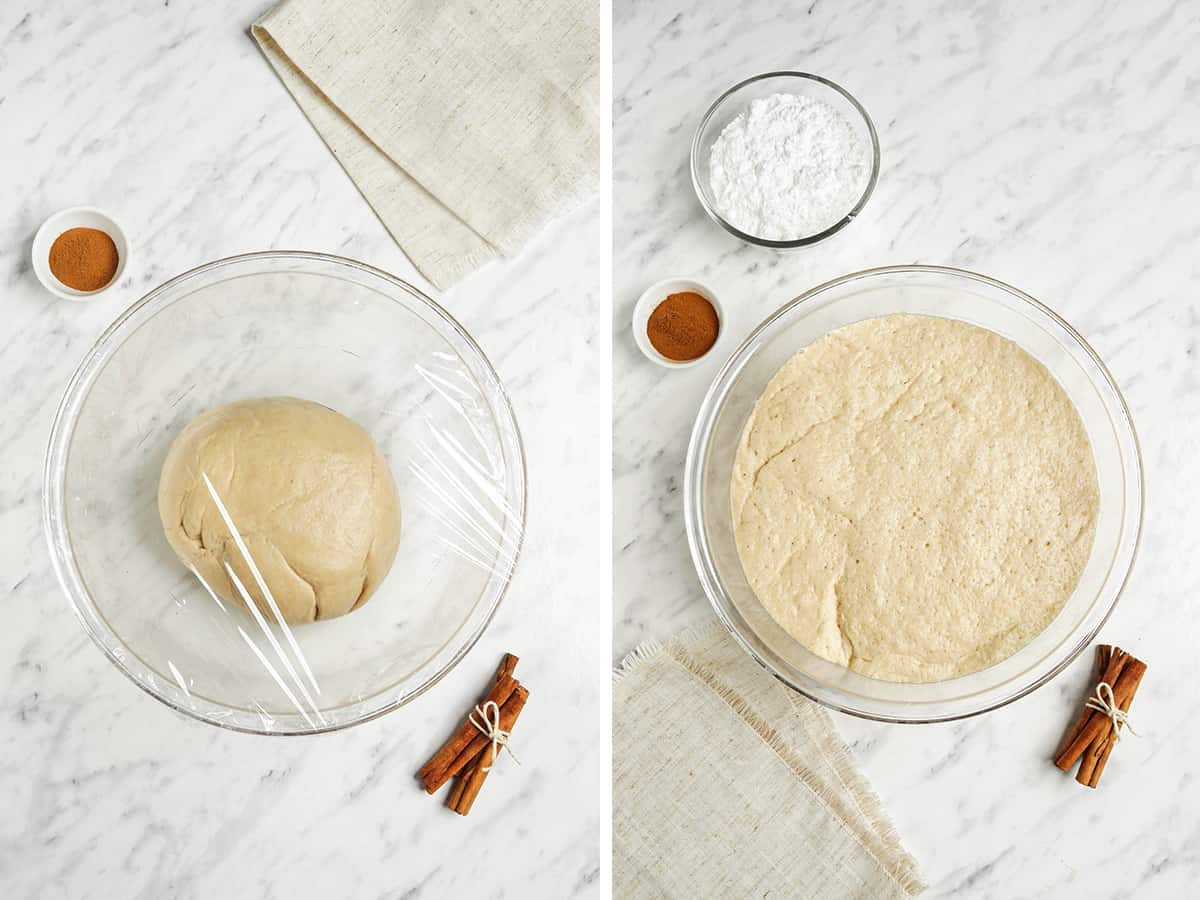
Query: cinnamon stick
1096, 756
460, 783
501, 689
469, 785
477, 772
508, 665
1092, 722
509, 711
1103, 655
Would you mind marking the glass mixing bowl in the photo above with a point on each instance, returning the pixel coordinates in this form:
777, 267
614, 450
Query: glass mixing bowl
950, 293
737, 100
325, 329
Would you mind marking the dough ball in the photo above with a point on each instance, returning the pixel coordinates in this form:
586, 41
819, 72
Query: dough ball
308, 492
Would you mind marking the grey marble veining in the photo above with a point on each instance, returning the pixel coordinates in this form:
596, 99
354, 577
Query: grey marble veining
1052, 147
166, 115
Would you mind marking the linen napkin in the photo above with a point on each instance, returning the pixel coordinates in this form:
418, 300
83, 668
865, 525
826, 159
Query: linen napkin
728, 784
466, 124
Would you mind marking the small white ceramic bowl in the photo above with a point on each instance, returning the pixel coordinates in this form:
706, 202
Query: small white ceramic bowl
656, 294
75, 217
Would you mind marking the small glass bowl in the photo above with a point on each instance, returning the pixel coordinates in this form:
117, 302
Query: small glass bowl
332, 331
735, 101
954, 294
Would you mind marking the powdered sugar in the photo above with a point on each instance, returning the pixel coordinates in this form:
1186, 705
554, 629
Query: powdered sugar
788, 167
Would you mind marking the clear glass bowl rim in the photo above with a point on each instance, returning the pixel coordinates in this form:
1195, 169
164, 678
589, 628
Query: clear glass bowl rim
693, 494
69, 578
701, 193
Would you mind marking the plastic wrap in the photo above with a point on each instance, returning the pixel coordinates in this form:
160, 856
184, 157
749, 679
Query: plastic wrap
321, 329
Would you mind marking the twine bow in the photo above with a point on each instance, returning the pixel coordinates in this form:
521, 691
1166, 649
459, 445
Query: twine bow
489, 713
1109, 708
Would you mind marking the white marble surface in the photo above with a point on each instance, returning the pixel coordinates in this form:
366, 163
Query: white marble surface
167, 115
1055, 150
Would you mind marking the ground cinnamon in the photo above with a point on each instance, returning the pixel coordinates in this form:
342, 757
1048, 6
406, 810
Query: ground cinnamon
683, 327
84, 259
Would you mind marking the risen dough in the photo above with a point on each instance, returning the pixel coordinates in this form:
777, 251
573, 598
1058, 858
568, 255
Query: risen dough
914, 497
307, 490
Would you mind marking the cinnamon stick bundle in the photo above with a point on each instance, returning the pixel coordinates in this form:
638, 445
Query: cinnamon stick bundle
441, 766
479, 744
1093, 736
468, 752
467, 788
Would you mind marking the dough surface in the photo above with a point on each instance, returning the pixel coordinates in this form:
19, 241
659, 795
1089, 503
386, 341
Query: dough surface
309, 493
914, 497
